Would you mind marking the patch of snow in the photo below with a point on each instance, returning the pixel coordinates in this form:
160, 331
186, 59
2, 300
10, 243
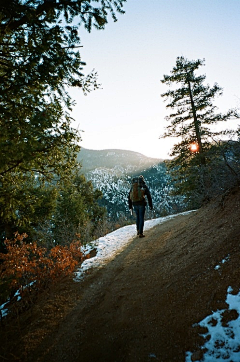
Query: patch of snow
86, 249
217, 267
3, 311
152, 355
222, 341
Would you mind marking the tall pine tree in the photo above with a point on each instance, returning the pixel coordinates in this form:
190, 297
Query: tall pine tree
192, 115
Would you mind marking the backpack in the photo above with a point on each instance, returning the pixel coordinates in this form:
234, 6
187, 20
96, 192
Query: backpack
137, 192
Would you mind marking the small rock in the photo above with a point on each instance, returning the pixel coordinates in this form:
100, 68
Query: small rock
197, 356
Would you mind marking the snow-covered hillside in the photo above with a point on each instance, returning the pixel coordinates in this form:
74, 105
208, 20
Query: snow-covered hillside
111, 172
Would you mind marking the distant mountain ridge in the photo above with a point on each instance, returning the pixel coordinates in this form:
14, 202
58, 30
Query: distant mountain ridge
115, 159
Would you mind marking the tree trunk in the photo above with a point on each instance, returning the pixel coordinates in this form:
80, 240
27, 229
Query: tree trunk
8, 231
196, 125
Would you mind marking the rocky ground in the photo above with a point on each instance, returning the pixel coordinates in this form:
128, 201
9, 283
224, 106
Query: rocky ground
142, 305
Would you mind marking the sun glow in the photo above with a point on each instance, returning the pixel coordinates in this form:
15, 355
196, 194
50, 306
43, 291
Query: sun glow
194, 147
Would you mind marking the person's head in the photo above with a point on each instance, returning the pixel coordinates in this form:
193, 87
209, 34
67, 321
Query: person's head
141, 179
138, 179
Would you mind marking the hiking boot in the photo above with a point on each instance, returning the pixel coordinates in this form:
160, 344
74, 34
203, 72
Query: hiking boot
141, 236
137, 232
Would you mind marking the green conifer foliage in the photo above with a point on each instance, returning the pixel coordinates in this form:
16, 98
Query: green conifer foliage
77, 212
39, 61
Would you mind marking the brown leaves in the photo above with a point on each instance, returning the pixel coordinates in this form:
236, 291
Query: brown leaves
27, 267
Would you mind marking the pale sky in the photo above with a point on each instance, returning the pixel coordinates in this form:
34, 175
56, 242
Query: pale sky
132, 55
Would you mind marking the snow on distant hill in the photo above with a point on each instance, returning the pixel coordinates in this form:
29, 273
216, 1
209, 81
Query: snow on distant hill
111, 172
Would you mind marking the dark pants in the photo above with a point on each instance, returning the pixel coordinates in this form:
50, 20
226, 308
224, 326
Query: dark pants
140, 211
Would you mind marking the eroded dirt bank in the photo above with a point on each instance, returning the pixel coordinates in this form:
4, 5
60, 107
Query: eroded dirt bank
142, 305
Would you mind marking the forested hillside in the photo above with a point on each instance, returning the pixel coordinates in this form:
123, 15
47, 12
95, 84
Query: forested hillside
111, 171
119, 160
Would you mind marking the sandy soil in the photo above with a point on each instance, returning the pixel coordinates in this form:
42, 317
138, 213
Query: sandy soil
143, 304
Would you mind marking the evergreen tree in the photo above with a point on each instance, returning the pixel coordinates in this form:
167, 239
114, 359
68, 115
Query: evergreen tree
25, 204
77, 212
193, 114
39, 61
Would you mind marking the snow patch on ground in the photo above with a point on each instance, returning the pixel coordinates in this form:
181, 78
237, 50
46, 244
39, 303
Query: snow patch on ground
222, 338
217, 267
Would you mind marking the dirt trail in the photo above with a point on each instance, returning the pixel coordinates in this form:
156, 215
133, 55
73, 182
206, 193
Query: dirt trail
143, 304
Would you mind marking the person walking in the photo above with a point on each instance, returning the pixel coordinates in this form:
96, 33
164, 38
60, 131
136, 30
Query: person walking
137, 200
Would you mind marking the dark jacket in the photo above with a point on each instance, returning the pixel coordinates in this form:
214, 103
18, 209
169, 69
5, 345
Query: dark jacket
144, 203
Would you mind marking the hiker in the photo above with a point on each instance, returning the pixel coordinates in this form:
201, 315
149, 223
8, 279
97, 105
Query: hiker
137, 200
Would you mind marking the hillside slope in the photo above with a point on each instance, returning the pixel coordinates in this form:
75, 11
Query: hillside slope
141, 306
130, 161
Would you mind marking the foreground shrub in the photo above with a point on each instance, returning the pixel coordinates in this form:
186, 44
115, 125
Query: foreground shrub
27, 268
